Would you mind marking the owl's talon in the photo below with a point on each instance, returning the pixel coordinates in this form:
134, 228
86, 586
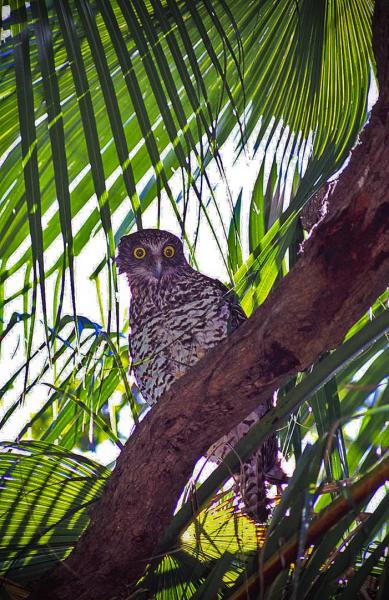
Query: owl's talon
200, 352
179, 374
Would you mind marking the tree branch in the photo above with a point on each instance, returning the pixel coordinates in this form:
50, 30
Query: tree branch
343, 269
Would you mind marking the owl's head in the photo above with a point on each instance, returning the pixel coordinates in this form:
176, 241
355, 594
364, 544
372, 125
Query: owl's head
150, 255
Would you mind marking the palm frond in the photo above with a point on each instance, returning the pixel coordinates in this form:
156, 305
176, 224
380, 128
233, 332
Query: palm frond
45, 495
110, 110
119, 91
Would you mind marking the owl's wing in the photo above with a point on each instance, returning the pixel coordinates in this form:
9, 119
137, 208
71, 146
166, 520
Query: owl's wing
237, 314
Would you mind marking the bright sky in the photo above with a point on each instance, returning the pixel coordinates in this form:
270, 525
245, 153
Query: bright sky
241, 174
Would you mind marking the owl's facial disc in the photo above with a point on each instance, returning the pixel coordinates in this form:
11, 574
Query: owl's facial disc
150, 255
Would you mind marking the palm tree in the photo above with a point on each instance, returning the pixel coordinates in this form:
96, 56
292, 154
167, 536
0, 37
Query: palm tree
110, 112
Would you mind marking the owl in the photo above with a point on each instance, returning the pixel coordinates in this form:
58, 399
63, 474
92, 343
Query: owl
176, 315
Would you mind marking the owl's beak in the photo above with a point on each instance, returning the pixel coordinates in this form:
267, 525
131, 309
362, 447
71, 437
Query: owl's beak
157, 268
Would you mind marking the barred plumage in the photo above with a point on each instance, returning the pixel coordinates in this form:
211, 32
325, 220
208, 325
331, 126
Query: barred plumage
176, 315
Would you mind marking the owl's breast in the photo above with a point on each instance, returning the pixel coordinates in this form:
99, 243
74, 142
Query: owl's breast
165, 343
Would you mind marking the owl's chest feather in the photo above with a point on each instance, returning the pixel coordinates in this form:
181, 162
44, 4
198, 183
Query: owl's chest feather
170, 333
158, 327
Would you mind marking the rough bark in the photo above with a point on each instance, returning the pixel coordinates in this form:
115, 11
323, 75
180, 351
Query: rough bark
344, 267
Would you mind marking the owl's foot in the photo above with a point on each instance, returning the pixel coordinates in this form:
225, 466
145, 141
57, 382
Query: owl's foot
200, 352
179, 374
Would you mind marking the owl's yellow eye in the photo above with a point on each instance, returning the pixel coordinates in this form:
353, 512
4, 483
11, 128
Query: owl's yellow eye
168, 251
139, 252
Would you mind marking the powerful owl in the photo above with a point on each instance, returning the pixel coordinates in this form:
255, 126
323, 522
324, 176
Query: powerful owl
176, 315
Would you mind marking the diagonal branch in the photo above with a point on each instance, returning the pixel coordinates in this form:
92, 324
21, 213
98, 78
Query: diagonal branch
343, 268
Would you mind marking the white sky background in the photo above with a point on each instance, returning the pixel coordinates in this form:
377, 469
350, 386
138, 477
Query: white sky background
241, 174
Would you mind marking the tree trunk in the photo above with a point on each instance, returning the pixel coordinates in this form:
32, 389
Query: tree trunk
343, 268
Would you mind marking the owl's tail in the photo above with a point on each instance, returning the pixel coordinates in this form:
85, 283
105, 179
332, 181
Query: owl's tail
261, 468
264, 466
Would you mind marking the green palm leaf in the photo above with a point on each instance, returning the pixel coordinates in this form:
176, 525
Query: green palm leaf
101, 105
114, 106
45, 496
